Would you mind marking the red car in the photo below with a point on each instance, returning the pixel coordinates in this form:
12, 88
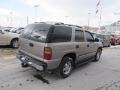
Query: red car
115, 40
118, 40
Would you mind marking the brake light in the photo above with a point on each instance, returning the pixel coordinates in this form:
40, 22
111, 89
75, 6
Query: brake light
47, 53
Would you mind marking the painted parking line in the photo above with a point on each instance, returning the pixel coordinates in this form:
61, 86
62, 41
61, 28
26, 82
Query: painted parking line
8, 56
7, 59
8, 51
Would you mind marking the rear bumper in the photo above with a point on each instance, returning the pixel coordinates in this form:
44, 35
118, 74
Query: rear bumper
35, 63
31, 61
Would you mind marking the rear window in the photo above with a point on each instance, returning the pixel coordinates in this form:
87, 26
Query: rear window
61, 34
36, 32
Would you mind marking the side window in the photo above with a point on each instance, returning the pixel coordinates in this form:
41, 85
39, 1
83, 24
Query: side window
89, 37
61, 34
79, 36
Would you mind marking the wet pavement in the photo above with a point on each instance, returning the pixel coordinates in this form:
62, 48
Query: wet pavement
101, 75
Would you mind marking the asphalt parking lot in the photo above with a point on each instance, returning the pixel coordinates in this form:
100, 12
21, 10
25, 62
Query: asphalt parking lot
102, 75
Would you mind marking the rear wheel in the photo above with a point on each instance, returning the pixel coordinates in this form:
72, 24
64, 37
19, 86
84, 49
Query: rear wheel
24, 65
14, 43
66, 67
98, 54
109, 45
114, 44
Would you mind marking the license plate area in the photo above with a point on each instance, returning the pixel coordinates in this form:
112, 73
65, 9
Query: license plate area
28, 61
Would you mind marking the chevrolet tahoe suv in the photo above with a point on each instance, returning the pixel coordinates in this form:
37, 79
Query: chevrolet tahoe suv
61, 47
8, 38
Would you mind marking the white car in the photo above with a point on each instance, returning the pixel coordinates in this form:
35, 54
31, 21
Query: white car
8, 38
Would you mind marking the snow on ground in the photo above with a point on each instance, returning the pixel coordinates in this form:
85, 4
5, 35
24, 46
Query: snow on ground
117, 47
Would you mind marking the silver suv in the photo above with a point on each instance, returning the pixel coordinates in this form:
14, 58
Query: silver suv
57, 46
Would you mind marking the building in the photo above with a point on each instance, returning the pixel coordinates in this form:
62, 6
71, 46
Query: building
114, 28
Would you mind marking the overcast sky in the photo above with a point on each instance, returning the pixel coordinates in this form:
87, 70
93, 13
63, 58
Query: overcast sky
15, 12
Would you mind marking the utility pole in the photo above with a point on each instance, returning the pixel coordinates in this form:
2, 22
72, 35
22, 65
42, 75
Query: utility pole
11, 19
89, 20
66, 17
27, 20
35, 7
99, 12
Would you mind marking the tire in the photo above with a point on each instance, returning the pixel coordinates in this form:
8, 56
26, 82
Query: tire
66, 67
24, 65
14, 43
109, 45
97, 56
114, 44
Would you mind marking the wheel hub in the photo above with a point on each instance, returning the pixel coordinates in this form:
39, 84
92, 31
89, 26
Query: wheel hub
67, 68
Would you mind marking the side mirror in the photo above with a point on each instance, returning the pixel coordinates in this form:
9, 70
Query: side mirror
96, 40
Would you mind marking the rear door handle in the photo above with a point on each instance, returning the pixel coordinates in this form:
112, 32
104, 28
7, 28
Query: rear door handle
77, 46
31, 44
88, 45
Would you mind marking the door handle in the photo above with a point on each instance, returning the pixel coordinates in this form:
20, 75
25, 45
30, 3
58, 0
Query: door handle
88, 45
31, 44
77, 46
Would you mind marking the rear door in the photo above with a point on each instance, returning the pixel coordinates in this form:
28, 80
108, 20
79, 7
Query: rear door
33, 39
80, 45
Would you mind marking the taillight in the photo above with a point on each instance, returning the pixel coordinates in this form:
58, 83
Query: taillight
47, 53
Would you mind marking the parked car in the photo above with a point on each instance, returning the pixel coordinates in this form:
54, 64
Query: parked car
8, 38
118, 40
115, 40
7, 29
18, 30
105, 39
59, 47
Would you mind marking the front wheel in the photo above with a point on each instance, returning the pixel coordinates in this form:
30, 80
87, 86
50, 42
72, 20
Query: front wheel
14, 43
66, 67
98, 54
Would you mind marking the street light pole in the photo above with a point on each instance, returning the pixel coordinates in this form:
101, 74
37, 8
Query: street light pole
89, 20
35, 7
11, 20
27, 20
66, 17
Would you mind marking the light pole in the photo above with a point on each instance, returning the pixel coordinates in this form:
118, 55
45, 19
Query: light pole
89, 20
35, 7
11, 20
27, 20
41, 19
66, 17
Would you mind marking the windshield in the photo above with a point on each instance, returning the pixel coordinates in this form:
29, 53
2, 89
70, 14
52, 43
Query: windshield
36, 32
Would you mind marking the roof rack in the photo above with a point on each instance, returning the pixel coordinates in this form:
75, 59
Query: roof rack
54, 23
59, 23
74, 25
